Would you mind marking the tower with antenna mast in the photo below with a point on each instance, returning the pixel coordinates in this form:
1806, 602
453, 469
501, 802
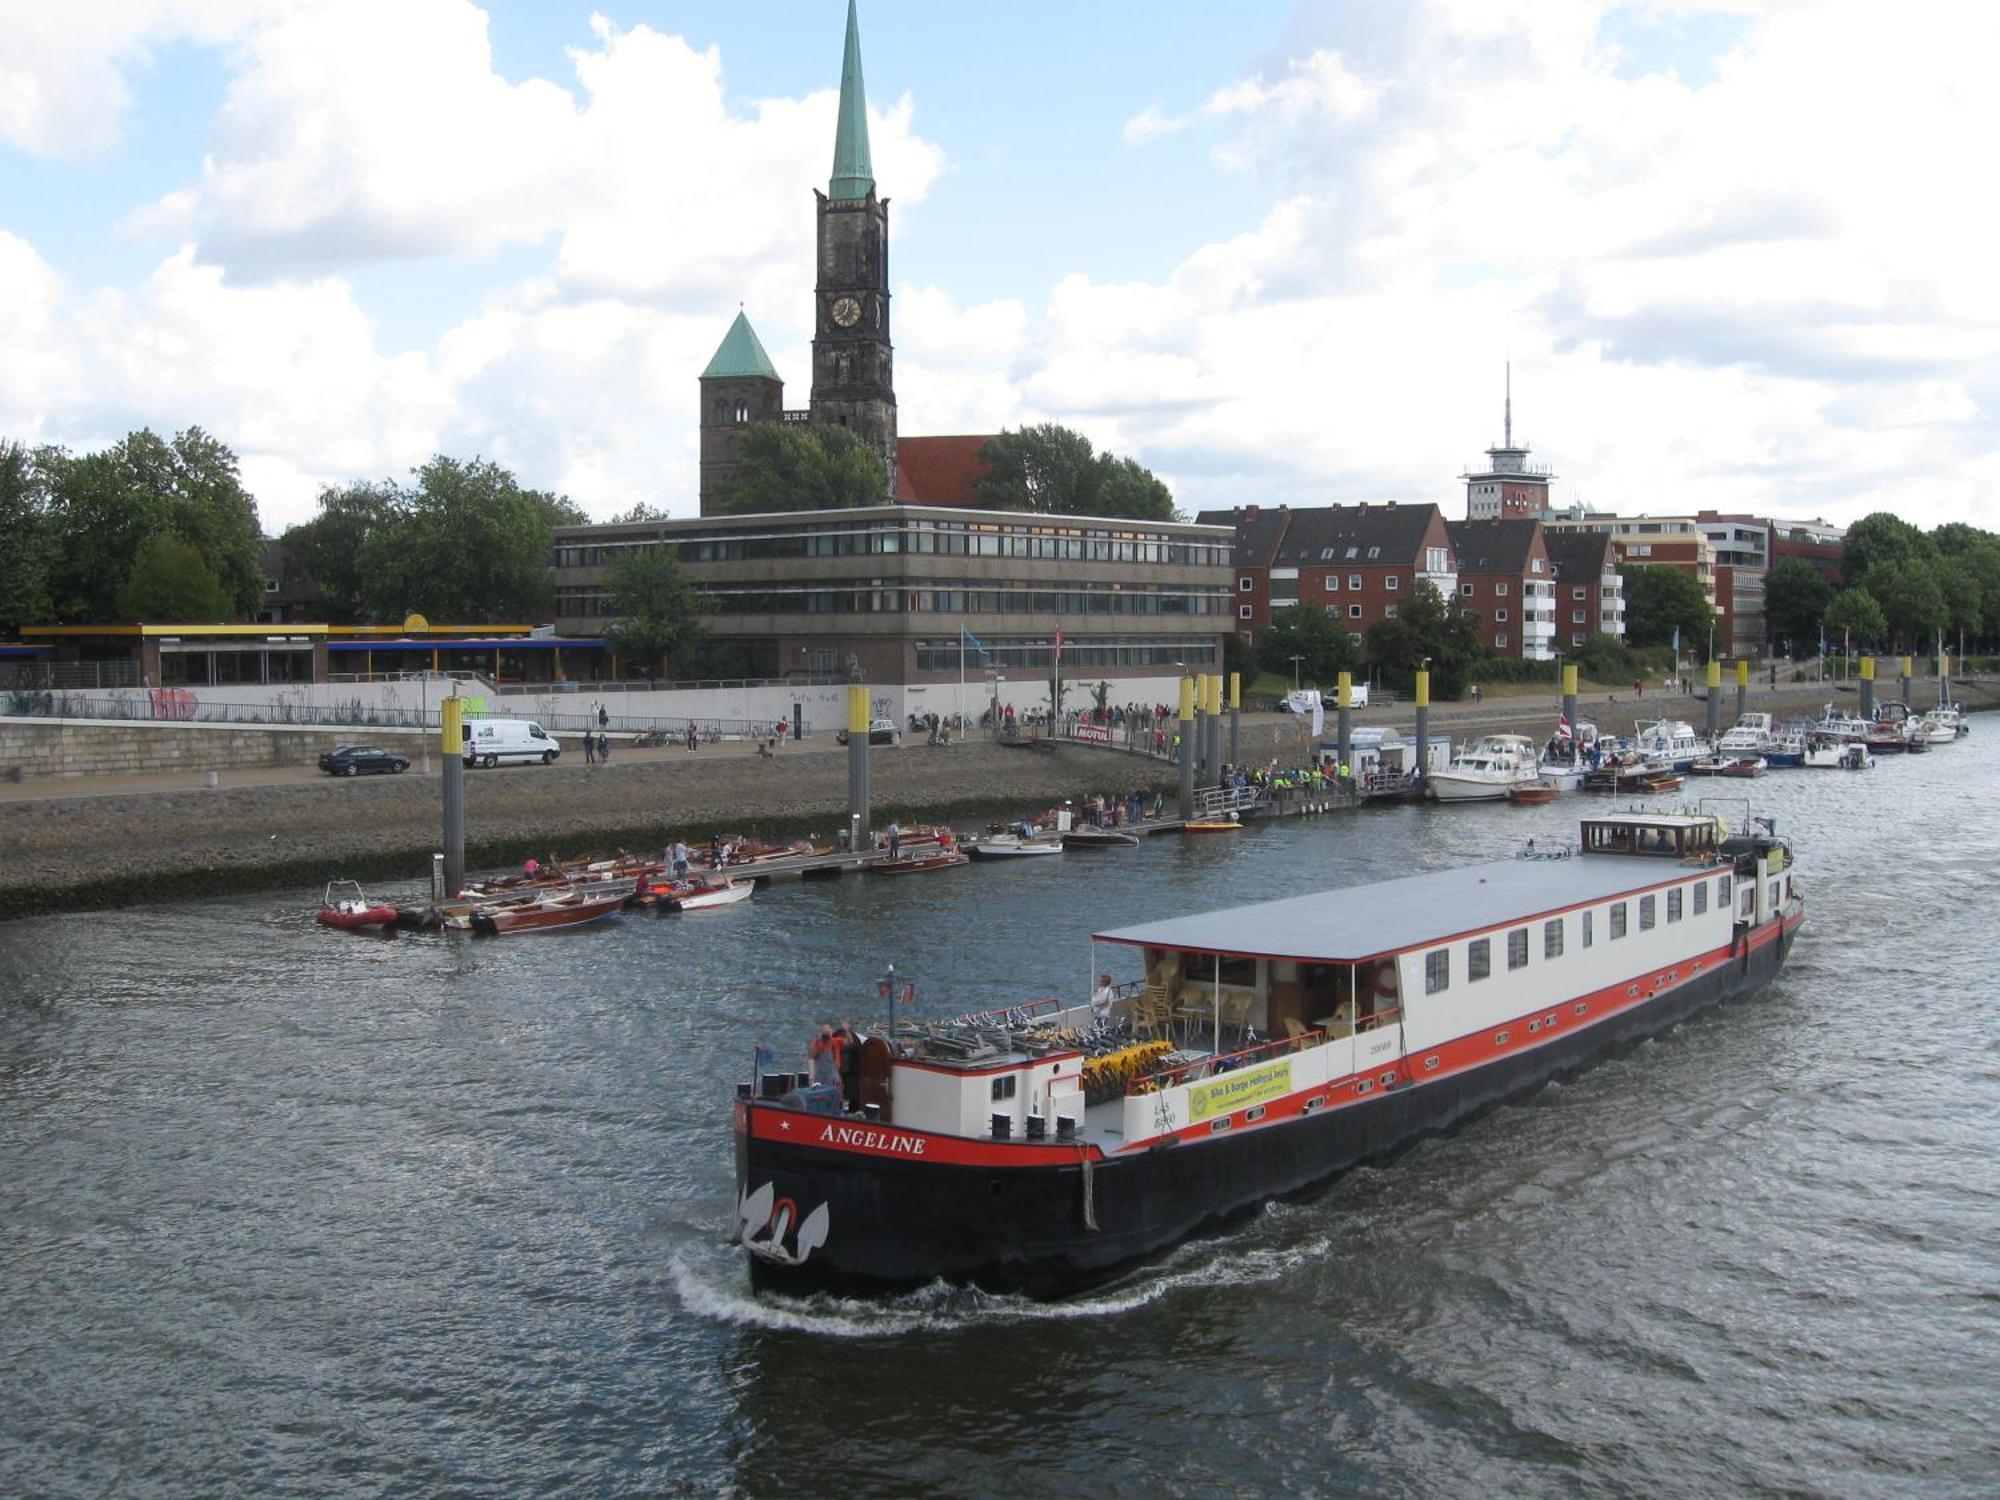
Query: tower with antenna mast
1508, 487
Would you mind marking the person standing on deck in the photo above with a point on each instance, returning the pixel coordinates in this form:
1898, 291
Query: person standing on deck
895, 840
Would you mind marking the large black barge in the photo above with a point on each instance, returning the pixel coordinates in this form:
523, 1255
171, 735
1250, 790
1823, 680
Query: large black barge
1043, 1150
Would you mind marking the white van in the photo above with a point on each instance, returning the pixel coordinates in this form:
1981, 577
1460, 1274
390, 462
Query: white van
489, 742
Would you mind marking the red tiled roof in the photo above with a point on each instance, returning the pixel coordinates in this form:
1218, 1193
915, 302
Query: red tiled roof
939, 470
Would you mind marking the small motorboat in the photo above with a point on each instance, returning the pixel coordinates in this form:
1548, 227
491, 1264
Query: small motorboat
703, 895
550, 914
1212, 825
344, 906
1745, 767
1661, 781
1013, 846
1099, 838
918, 861
1536, 795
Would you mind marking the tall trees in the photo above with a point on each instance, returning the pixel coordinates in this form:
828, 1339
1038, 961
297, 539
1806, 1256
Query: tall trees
1054, 470
27, 542
170, 580
1311, 634
1854, 618
465, 543
657, 626
1912, 602
802, 466
1796, 595
1429, 627
1880, 538
105, 507
1659, 600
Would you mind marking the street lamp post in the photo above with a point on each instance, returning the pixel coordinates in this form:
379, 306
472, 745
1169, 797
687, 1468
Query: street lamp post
1295, 672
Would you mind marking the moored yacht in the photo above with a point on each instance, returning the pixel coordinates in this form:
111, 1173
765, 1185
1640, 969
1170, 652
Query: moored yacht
1671, 744
1267, 1049
1487, 769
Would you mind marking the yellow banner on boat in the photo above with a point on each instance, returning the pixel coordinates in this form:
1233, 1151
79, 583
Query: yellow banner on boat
1232, 1091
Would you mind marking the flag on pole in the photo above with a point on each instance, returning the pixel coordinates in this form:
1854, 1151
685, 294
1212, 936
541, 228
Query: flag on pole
977, 644
884, 986
909, 992
1058, 643
1562, 726
1677, 640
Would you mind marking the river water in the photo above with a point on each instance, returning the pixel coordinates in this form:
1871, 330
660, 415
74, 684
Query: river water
291, 1212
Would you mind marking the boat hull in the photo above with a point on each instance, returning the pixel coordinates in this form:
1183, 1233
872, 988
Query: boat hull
1012, 1217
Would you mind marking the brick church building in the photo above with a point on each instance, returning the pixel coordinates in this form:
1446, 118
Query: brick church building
853, 356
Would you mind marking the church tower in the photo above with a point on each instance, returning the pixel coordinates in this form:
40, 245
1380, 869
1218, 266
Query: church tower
740, 386
853, 383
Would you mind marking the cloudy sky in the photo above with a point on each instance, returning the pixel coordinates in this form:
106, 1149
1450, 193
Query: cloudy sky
1739, 254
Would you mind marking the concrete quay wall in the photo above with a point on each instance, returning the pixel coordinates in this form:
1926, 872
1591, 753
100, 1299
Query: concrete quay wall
123, 849
81, 748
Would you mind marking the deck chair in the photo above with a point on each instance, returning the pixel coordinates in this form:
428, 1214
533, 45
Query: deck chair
1236, 1005
1295, 1029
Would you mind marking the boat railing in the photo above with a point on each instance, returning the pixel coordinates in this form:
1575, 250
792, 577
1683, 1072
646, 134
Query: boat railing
1228, 1062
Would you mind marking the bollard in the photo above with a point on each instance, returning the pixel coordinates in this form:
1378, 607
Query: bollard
1569, 711
1909, 670
1742, 688
1215, 725
1236, 712
1714, 700
1868, 687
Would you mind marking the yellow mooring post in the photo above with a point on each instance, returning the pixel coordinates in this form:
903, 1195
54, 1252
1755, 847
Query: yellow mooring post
1422, 765
1186, 750
451, 744
1215, 725
857, 766
1714, 699
1742, 688
1909, 671
1235, 713
1867, 687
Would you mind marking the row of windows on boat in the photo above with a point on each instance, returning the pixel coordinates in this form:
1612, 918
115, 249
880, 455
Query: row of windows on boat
1479, 951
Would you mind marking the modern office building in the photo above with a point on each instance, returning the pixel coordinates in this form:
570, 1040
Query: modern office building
912, 595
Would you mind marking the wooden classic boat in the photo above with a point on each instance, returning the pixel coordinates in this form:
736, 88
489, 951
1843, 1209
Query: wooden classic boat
697, 893
1099, 838
345, 907
1010, 1151
1014, 846
1213, 825
918, 861
548, 913
1540, 794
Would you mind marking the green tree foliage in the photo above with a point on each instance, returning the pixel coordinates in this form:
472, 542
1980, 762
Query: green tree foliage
106, 506
1659, 598
1912, 601
464, 543
657, 624
639, 512
27, 539
1796, 595
170, 581
1606, 658
1880, 538
1854, 618
802, 466
1052, 470
327, 550
1428, 625
1306, 630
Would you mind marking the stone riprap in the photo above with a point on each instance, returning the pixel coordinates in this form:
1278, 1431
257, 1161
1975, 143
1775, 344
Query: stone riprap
105, 849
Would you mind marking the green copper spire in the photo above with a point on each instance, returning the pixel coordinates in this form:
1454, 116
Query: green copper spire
740, 354
853, 172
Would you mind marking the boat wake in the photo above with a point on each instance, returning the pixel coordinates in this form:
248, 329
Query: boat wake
712, 1285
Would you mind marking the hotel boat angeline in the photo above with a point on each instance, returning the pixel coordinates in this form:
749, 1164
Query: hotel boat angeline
1028, 1150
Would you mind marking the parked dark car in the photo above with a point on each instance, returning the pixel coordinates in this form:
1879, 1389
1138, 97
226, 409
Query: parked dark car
880, 732
358, 760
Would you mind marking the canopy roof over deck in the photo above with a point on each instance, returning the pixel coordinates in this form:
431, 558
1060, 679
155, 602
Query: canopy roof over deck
1345, 926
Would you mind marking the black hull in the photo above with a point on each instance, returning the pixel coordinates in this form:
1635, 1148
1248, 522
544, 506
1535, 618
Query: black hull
897, 1223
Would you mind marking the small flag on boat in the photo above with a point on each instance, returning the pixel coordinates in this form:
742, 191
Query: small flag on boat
1562, 726
766, 1055
910, 992
885, 986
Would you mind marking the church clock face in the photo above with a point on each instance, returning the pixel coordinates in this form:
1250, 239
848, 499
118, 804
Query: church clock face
846, 312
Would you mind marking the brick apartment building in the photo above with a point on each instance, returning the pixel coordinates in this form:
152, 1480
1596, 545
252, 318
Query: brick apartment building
1359, 562
1505, 578
1589, 591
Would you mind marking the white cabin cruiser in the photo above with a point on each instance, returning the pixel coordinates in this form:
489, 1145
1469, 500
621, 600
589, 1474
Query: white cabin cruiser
1671, 744
1487, 770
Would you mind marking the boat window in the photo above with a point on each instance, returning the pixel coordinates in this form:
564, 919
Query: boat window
1700, 897
1437, 970
1003, 1088
1649, 910
1617, 920
1722, 891
1774, 896
1674, 904
1517, 948
1478, 958
1552, 938
1586, 926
